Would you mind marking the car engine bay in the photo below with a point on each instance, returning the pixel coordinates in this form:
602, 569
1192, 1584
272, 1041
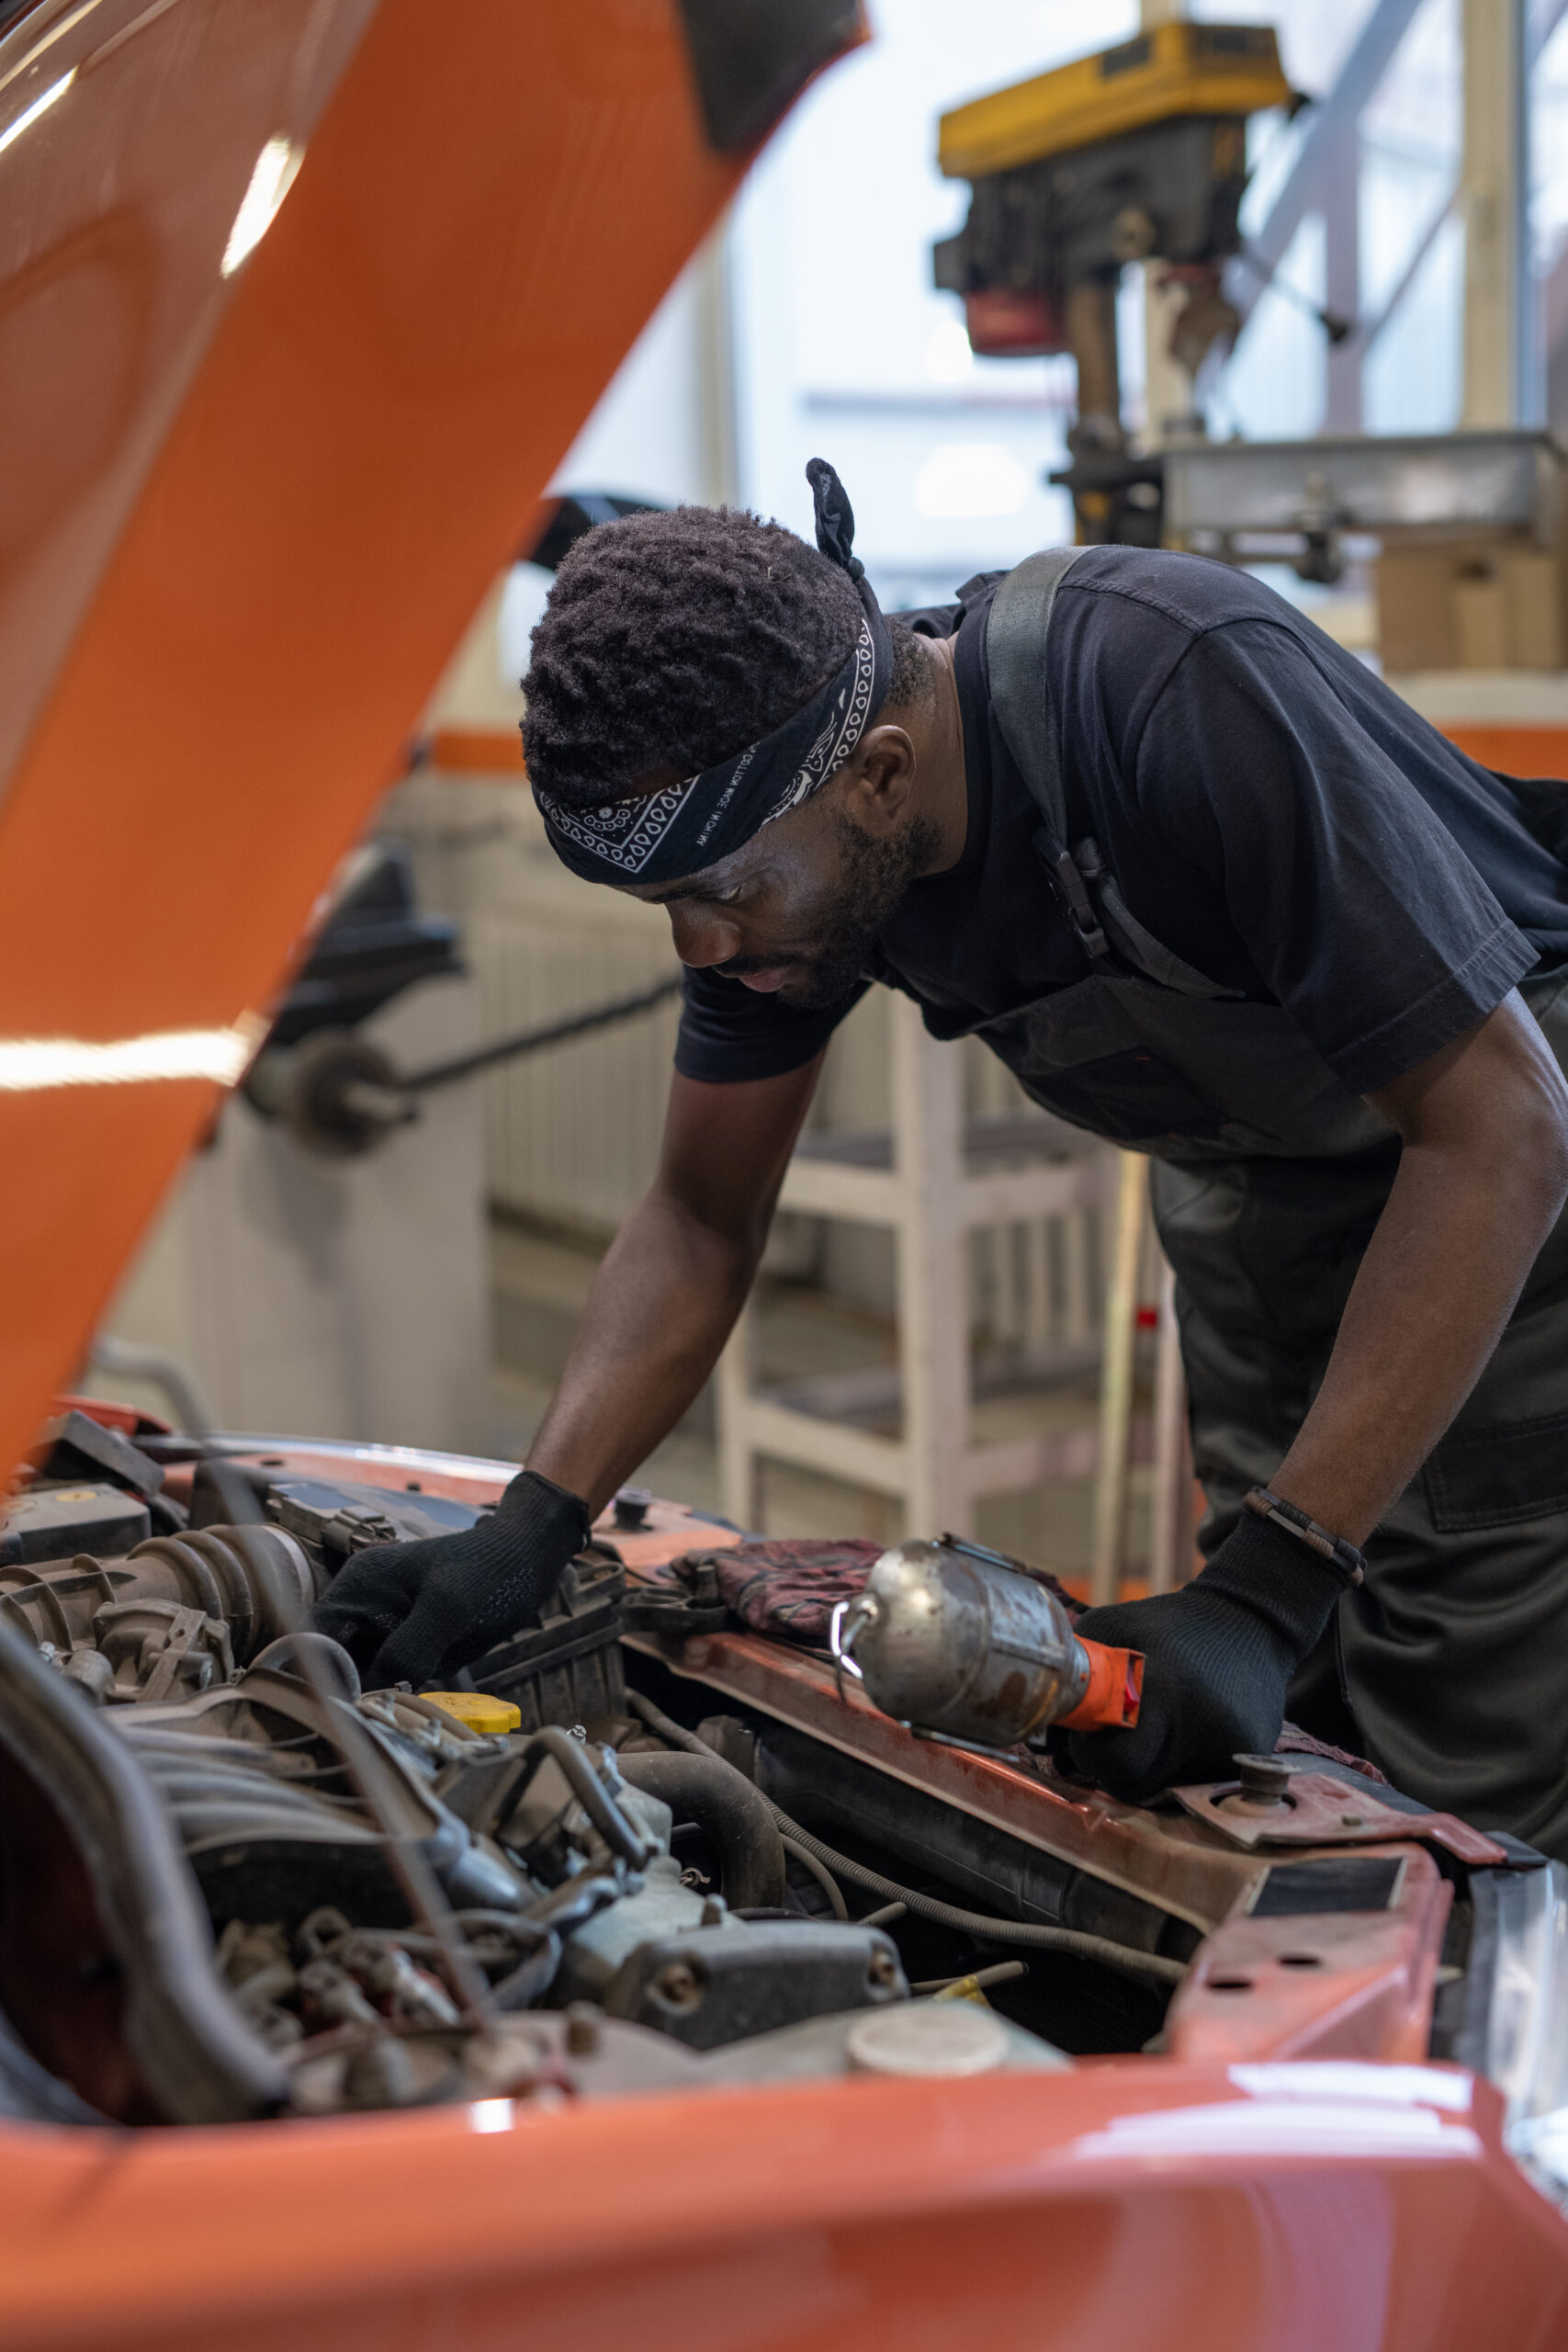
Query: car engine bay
641, 1847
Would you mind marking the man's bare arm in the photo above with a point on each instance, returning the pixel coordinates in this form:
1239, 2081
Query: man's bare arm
674, 1279
1482, 1178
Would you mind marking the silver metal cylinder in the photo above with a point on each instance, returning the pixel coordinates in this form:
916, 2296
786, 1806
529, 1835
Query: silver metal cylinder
952, 1639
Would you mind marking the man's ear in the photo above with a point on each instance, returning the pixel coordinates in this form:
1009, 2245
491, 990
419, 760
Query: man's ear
879, 779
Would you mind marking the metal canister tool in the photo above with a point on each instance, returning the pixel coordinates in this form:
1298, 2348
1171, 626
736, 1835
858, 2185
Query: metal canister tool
963, 1644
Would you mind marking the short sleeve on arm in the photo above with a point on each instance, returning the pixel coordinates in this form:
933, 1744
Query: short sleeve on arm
729, 1032
1360, 912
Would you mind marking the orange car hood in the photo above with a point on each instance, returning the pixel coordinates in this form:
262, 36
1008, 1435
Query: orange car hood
258, 473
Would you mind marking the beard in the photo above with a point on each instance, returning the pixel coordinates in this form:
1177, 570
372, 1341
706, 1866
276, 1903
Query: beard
872, 877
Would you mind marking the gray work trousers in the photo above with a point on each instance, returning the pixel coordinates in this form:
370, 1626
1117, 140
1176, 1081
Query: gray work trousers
1454, 1653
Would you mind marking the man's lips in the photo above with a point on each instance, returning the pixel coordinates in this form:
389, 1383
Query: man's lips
765, 982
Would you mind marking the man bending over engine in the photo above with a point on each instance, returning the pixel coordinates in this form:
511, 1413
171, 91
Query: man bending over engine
1208, 887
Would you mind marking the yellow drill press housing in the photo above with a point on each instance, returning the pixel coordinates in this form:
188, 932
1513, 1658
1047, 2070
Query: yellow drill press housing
1176, 69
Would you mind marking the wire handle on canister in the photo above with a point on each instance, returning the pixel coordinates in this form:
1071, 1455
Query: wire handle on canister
961, 1643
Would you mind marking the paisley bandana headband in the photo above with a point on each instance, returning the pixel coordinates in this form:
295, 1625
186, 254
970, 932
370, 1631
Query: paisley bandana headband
685, 827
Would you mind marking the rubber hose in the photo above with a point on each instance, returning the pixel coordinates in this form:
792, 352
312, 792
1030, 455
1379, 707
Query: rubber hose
320, 1646
926, 1907
825, 1879
731, 1811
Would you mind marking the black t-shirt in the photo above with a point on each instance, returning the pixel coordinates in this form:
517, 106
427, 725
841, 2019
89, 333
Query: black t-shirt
1272, 811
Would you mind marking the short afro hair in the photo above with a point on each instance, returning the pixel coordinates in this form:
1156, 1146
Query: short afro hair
673, 640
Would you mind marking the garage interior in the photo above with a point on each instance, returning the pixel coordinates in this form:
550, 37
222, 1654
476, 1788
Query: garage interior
1403, 275
728, 1918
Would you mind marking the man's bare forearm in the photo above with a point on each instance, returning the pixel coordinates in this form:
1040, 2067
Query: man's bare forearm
1481, 1179
674, 1279
662, 1304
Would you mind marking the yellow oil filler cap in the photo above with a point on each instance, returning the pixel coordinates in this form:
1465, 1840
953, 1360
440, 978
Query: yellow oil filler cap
478, 1709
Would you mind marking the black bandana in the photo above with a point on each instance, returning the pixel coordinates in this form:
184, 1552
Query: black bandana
688, 826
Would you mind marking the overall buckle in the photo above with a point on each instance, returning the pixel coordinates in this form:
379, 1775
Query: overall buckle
1071, 890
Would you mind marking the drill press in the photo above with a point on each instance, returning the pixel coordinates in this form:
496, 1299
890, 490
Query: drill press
1137, 154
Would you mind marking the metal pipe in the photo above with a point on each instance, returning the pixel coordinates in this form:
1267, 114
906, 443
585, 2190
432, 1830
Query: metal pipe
571, 1756
1005, 1972
530, 1041
1170, 1512
1116, 1380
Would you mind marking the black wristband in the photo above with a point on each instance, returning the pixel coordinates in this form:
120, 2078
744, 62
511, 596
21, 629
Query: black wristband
1335, 1551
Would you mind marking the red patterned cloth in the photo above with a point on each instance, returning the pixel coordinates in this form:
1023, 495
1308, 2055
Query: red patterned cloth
789, 1590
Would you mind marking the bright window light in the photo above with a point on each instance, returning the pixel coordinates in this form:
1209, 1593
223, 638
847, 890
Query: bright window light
963, 478
522, 609
40, 105
32, 1064
949, 358
270, 182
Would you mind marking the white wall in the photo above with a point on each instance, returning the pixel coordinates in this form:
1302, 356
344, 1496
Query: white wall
323, 1297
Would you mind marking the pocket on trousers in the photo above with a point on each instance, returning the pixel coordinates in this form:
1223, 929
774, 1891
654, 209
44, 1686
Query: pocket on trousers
1494, 1477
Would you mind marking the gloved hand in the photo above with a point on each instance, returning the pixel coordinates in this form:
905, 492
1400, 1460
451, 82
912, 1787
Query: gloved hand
1218, 1655
406, 1612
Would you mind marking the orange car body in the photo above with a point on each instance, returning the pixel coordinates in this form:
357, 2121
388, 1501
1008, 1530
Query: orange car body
1291, 2174
249, 510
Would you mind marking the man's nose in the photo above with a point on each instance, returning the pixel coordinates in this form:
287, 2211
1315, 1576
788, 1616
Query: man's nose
703, 936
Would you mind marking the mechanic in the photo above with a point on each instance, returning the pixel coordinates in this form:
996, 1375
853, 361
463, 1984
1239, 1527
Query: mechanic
1208, 887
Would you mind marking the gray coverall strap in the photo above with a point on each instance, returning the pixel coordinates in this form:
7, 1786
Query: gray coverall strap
1138, 945
1015, 649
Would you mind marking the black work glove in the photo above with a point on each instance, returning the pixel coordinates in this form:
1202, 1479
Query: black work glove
1217, 1658
406, 1612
